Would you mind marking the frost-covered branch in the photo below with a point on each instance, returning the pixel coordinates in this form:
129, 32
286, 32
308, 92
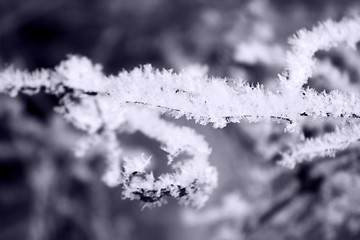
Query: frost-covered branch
103, 105
324, 146
192, 179
183, 94
329, 34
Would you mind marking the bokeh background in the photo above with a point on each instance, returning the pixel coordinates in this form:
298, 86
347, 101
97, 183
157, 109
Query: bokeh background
46, 193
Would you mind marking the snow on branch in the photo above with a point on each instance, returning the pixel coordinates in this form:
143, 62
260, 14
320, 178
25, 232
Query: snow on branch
324, 146
193, 178
86, 101
329, 34
103, 106
191, 94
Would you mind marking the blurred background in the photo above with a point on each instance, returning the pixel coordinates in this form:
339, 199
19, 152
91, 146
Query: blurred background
46, 193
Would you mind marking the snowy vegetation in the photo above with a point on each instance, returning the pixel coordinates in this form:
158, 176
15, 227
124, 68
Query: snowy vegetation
104, 106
